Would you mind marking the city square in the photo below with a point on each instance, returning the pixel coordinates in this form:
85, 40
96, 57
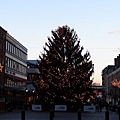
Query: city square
59, 60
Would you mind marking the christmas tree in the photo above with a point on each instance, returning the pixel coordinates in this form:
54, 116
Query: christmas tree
65, 73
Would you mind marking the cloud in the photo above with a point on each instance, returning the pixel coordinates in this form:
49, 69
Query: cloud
114, 32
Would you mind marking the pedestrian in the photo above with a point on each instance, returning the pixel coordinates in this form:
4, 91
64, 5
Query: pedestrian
9, 107
100, 105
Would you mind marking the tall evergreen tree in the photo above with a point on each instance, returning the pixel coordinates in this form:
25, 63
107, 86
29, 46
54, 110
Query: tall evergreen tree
65, 73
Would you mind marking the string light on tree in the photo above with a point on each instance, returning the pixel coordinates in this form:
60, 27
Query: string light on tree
65, 74
116, 83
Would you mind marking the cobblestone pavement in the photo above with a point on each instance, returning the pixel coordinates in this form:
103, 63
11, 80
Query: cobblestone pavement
29, 115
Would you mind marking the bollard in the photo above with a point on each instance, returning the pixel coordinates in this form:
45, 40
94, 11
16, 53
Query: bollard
113, 108
119, 112
51, 114
107, 115
79, 114
23, 114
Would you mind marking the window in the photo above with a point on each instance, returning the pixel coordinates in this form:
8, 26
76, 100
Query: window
14, 50
6, 61
10, 64
17, 66
11, 48
6, 45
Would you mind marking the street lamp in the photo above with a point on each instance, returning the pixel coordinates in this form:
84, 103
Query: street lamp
33, 91
26, 91
28, 98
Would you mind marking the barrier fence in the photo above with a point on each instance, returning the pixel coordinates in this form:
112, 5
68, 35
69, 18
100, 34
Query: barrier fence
79, 112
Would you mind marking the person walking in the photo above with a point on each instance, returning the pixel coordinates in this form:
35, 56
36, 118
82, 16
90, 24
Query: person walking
100, 106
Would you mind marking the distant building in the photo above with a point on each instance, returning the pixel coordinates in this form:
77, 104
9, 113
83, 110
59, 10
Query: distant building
110, 73
32, 71
13, 76
117, 60
32, 85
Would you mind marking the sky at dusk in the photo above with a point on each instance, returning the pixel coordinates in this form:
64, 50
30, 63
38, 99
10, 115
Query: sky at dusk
96, 22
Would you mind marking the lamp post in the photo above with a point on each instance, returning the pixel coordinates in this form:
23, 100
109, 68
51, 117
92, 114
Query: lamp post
26, 91
28, 98
33, 92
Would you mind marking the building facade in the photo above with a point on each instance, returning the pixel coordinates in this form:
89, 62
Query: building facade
105, 82
109, 74
13, 66
32, 94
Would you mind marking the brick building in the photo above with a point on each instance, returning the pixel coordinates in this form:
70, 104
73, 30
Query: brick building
13, 76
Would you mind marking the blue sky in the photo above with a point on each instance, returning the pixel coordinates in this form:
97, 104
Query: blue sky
97, 23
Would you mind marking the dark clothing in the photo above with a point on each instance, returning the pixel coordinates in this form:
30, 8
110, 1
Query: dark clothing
9, 107
100, 106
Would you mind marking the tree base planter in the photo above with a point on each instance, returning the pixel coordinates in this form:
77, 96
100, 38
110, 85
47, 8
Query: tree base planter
60, 108
89, 108
36, 107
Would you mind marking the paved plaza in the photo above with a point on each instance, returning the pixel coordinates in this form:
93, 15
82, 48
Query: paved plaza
29, 115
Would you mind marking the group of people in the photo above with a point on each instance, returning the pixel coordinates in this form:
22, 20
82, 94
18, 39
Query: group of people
100, 104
